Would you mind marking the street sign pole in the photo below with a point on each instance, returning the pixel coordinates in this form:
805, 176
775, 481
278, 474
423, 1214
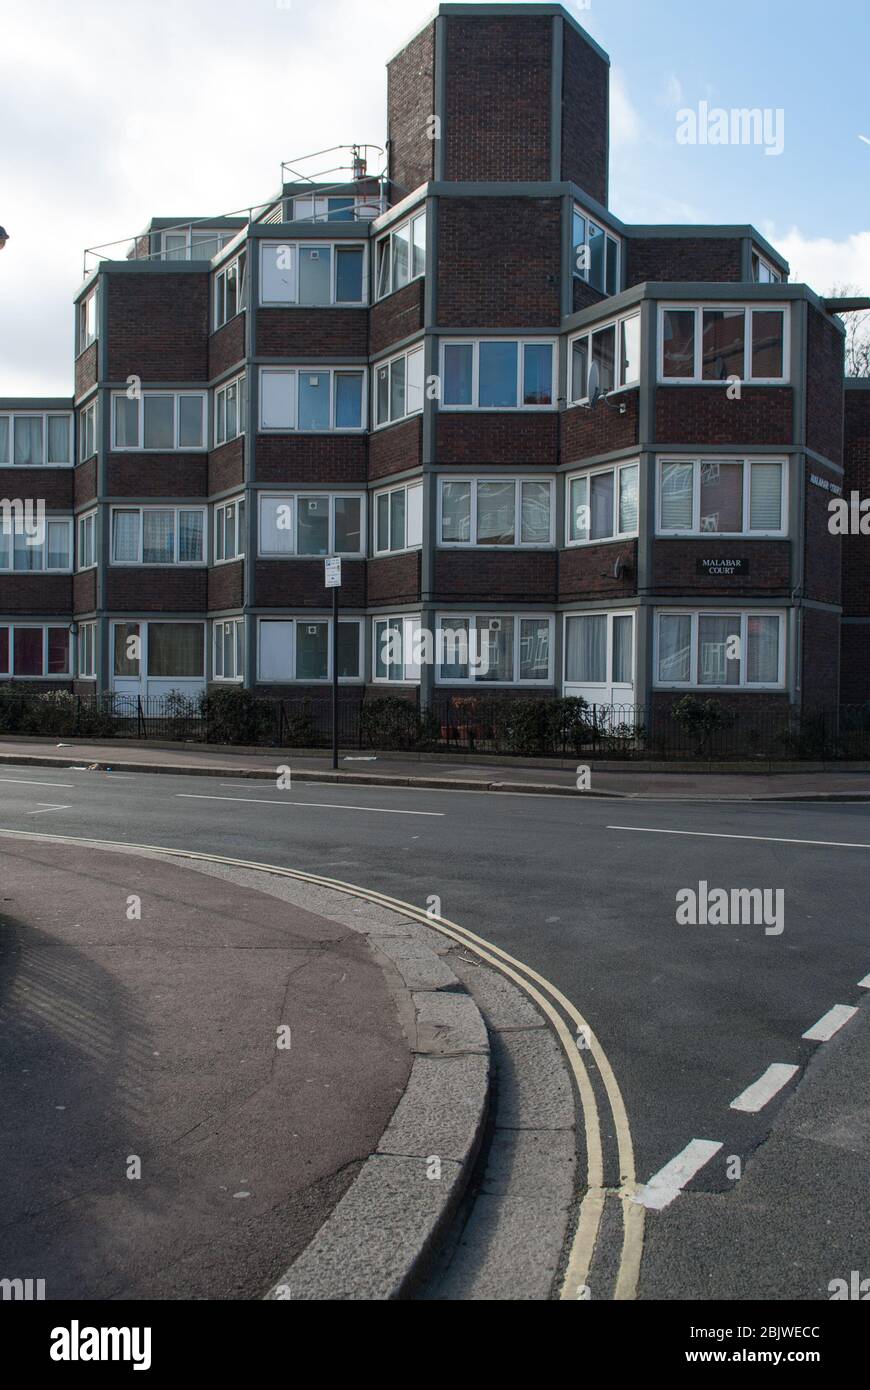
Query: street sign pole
332, 580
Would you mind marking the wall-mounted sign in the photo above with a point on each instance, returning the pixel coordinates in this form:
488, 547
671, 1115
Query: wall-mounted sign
332, 572
734, 567
825, 485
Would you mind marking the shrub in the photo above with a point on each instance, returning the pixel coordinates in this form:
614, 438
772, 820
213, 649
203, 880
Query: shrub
390, 722
701, 718
235, 715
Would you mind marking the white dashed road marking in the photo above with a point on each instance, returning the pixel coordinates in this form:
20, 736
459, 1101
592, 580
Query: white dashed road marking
47, 807
830, 1023
760, 839
319, 805
668, 1183
32, 782
756, 1096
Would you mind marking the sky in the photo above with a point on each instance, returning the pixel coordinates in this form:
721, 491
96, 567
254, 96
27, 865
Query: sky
112, 113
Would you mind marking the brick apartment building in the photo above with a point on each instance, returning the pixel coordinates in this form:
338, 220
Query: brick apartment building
402, 372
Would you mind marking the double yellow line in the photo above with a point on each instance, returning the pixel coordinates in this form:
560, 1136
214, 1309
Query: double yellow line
550, 1001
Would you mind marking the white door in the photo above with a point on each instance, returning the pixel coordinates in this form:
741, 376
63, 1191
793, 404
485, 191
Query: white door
156, 659
599, 657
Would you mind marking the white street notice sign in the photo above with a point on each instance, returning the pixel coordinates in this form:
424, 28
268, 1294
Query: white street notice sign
332, 567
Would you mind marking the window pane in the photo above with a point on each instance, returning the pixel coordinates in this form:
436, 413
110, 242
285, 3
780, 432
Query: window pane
716, 637
628, 482
397, 519
612, 285
125, 537
275, 651
537, 374
277, 400
677, 484
456, 511
315, 275
383, 267
629, 350
190, 421
622, 662
578, 509
383, 395
158, 538
723, 344
401, 257
765, 497
4, 446
534, 649
4, 650
578, 230
159, 422
314, 401
348, 525
382, 538
278, 277
126, 653
496, 506
340, 210
175, 649
348, 650
579, 369
453, 651
496, 638
190, 536
28, 439
586, 650
414, 526
458, 362
597, 252
58, 651
679, 343
312, 651
498, 374
58, 545
397, 389
26, 556
418, 229
601, 505
126, 423
721, 496
604, 357
58, 439
675, 648
348, 400
414, 399
762, 651
535, 520
312, 526
348, 275
28, 651
381, 634
768, 327
276, 525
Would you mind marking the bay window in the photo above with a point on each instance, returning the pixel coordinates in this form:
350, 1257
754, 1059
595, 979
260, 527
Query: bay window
495, 512
312, 399
614, 349
300, 649
28, 650
595, 254
498, 374
320, 275
503, 649
710, 343
720, 496
36, 440
229, 530
316, 524
158, 535
399, 518
159, 420
721, 650
602, 504
399, 387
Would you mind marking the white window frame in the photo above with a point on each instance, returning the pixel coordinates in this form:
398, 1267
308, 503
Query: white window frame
386, 239
619, 366
87, 637
750, 310
474, 481
293, 620
221, 235
616, 469
41, 549
387, 364
45, 415
386, 492
774, 275
241, 385
518, 618
159, 564
238, 641
144, 625
366, 207
748, 462
411, 624
610, 614
292, 301
521, 344
585, 274
296, 373
239, 263
238, 528
87, 427
82, 521
139, 447
293, 499
88, 310
721, 611
46, 675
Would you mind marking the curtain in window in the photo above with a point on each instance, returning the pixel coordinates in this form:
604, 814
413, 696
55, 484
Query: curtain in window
534, 649
158, 538
58, 651
579, 509
496, 648
58, 439
586, 650
675, 648
175, 650
765, 497
721, 496
58, 545
601, 505
28, 651
622, 662
455, 511
628, 481
125, 537
28, 439
315, 274
496, 504
762, 655
276, 651
190, 536
535, 513
677, 486
715, 638
276, 526
26, 557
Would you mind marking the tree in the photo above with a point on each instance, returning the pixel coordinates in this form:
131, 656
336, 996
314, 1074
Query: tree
857, 333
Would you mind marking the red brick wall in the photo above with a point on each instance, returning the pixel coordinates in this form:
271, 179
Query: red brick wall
320, 458
226, 347
394, 578
53, 485
824, 386
821, 652
856, 549
683, 258
312, 333
481, 438
703, 414
499, 262
226, 466
497, 125
85, 482
157, 475
587, 571
410, 102
585, 296
158, 326
299, 584
397, 317
85, 591
86, 370
585, 113
587, 433
855, 658
226, 586
36, 593
482, 575
675, 567
396, 448
823, 553
146, 589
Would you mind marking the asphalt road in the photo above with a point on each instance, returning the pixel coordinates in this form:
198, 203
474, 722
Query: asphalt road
585, 891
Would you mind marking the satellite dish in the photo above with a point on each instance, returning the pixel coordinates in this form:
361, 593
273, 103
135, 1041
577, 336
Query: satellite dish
594, 387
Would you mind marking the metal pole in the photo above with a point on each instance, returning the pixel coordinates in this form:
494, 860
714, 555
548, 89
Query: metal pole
335, 679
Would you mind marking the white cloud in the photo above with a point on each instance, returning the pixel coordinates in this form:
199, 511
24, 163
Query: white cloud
626, 127
822, 263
